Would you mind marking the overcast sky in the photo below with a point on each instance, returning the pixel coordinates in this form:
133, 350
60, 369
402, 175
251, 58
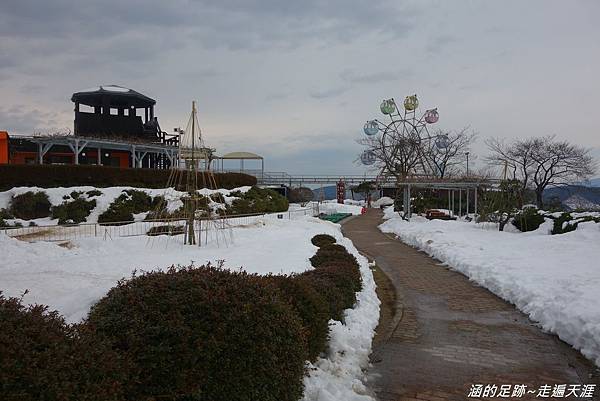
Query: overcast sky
295, 80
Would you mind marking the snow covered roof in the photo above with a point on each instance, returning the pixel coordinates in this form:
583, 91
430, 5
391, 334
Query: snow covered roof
116, 96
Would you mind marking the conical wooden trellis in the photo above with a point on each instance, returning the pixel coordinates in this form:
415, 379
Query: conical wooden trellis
195, 218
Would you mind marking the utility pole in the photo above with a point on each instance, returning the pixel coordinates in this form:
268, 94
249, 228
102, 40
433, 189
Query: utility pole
467, 154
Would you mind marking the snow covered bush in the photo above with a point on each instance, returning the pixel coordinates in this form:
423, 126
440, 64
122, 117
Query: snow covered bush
565, 222
322, 240
43, 358
73, 211
528, 219
30, 205
258, 200
204, 333
130, 202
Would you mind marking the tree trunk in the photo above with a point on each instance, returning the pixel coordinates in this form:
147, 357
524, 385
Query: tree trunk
538, 198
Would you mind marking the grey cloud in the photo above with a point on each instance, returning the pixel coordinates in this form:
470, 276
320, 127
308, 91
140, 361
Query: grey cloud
328, 93
439, 43
382, 76
21, 119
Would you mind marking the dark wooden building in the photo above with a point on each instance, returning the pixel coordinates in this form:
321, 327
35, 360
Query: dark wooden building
112, 113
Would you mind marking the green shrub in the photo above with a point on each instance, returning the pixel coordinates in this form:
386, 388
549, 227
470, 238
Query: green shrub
75, 211
258, 200
131, 201
30, 205
42, 358
312, 308
93, 192
332, 253
5, 214
204, 334
322, 240
169, 229
49, 176
338, 284
559, 227
528, 220
3, 223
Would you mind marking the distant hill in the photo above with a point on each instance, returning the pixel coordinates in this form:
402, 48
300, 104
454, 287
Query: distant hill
575, 196
594, 182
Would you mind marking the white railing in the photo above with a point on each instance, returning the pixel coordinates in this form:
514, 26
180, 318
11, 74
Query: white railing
138, 228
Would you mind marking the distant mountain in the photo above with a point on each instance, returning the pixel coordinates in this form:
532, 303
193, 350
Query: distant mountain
575, 196
594, 182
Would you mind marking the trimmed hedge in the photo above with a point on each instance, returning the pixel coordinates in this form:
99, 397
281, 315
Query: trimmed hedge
332, 253
30, 205
42, 358
204, 334
185, 334
312, 308
51, 176
322, 240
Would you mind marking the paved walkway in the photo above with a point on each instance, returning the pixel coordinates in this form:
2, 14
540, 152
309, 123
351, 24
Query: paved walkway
447, 333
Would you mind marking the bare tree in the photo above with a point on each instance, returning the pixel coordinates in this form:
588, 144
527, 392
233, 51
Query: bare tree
541, 162
558, 163
445, 160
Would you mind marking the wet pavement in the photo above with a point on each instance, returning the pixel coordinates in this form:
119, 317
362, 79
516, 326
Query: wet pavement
447, 333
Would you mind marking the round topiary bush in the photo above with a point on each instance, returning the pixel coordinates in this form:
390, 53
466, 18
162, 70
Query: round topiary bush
204, 334
337, 283
42, 358
30, 205
332, 253
322, 240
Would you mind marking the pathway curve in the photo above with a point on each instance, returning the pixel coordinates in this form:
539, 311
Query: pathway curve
447, 333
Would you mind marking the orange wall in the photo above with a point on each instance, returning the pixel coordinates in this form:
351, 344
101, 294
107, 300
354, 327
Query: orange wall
3, 147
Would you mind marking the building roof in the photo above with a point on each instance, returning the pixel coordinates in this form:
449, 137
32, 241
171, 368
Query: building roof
241, 155
116, 97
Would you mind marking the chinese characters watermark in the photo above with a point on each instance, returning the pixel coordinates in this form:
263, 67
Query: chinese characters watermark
522, 390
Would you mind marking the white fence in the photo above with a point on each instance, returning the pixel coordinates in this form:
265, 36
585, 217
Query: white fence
138, 228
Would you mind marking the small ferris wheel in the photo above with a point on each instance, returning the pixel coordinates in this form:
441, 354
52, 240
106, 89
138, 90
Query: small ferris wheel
404, 127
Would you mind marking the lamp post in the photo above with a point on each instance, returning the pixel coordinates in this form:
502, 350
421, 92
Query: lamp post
467, 154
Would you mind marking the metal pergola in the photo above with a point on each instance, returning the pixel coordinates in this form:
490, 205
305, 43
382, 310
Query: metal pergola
453, 187
78, 144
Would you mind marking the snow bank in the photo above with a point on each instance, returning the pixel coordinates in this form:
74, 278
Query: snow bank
71, 280
554, 279
329, 207
338, 376
383, 201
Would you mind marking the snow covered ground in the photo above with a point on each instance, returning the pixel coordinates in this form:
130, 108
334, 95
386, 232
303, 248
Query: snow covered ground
555, 279
71, 279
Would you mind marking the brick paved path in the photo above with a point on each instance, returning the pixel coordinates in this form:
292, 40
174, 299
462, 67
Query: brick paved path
448, 333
